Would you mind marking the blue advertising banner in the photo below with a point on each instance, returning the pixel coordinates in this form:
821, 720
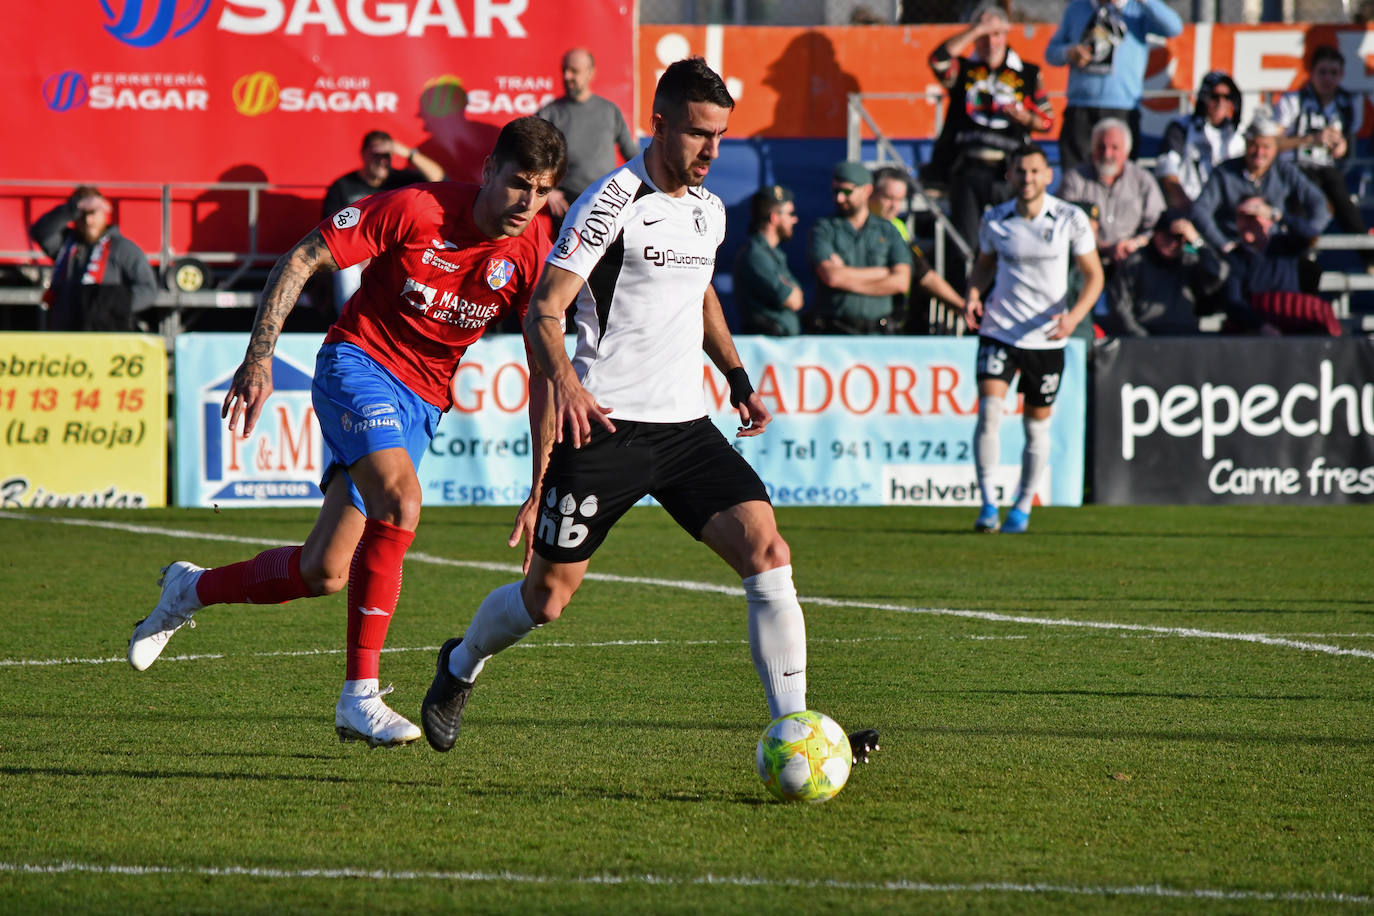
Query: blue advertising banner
889, 421
856, 421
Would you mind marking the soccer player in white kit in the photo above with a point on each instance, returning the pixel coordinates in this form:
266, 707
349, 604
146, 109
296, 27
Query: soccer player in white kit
1024, 247
628, 416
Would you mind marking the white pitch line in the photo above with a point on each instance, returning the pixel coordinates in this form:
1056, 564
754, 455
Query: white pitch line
608, 880
688, 585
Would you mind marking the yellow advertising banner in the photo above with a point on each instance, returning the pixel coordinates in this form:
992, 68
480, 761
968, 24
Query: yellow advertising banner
83, 420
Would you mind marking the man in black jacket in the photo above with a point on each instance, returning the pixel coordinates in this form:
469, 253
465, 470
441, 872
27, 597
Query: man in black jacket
1156, 291
100, 279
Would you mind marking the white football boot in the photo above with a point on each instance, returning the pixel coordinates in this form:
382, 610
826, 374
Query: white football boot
173, 611
364, 717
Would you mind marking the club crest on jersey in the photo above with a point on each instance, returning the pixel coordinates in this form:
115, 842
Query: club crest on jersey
699, 220
499, 272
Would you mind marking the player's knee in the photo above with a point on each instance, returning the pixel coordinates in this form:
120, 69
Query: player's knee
322, 580
397, 507
544, 602
770, 553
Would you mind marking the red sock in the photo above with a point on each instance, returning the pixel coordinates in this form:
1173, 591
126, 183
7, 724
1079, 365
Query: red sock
272, 577
374, 585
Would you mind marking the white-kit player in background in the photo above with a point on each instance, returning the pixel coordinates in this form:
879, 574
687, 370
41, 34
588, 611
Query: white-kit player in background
628, 416
1024, 247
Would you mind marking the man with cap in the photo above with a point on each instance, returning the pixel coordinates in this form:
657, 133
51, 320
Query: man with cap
768, 296
1160, 290
861, 261
1259, 173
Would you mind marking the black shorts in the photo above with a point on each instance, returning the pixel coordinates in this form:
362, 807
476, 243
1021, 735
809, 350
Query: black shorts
689, 468
1041, 370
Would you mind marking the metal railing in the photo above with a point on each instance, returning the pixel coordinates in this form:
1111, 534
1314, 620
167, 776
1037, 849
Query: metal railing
169, 194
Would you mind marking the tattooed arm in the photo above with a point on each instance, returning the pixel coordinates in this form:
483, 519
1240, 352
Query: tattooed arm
253, 381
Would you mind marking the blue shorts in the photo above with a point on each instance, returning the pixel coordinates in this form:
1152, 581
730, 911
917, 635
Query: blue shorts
362, 408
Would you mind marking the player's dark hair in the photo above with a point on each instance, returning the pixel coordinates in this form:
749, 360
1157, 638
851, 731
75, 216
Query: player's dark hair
534, 145
688, 81
1027, 149
372, 136
1326, 52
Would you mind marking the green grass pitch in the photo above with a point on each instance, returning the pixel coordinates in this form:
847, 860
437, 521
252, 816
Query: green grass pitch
1127, 710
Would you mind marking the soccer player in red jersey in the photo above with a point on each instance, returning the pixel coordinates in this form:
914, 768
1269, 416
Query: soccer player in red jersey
447, 260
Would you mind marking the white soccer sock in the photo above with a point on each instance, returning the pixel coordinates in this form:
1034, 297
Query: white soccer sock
500, 622
363, 687
777, 639
987, 445
1034, 457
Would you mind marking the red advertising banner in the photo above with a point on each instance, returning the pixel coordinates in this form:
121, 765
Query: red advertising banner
793, 82
275, 91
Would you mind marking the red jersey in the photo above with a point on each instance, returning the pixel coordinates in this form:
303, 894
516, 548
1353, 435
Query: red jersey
435, 281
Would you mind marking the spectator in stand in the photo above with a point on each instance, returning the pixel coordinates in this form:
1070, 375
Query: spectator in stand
373, 176
1265, 290
100, 279
769, 298
1103, 42
890, 193
1128, 198
1196, 144
594, 126
1257, 173
995, 103
889, 200
861, 261
1159, 290
1321, 121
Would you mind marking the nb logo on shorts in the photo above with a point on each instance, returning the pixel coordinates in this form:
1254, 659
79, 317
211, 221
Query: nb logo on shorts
557, 523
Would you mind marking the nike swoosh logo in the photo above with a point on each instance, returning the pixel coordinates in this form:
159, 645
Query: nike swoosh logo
373, 612
792, 673
650, 222
443, 243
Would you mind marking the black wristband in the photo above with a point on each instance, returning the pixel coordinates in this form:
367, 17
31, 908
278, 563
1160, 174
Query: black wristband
740, 387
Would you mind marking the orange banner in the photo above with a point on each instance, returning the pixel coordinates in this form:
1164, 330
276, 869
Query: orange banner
794, 82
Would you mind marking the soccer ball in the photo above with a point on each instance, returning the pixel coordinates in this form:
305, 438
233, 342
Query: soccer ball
804, 756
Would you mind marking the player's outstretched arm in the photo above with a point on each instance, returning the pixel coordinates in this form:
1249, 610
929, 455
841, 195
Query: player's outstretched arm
720, 347
252, 383
541, 441
574, 408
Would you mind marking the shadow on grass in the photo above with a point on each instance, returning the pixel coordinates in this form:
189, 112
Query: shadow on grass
524, 791
213, 775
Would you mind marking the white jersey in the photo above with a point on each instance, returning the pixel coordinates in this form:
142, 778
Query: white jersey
1033, 259
647, 259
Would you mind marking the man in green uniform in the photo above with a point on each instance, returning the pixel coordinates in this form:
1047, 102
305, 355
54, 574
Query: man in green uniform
861, 261
769, 298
